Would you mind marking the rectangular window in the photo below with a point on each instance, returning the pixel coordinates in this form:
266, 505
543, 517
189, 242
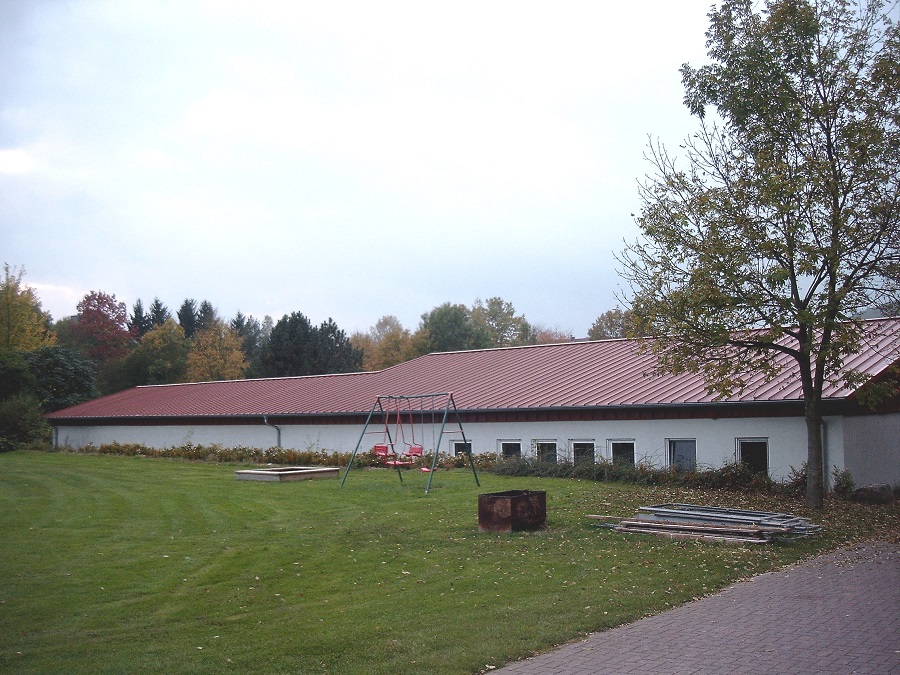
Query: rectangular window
683, 453
460, 448
545, 451
582, 451
754, 452
510, 449
622, 452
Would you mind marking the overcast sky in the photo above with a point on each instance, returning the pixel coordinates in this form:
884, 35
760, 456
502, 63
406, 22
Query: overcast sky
345, 160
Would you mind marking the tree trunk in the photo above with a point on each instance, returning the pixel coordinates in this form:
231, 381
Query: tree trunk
815, 487
812, 401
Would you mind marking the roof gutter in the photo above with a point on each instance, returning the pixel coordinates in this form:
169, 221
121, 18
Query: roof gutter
275, 427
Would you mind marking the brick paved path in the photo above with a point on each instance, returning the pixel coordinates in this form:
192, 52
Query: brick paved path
839, 613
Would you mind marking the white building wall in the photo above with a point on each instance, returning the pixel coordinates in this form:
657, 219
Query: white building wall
873, 448
832, 448
330, 437
716, 439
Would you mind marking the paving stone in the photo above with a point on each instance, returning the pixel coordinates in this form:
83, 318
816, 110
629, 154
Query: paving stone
839, 613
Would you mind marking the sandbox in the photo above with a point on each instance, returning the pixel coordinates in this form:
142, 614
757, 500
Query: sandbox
288, 473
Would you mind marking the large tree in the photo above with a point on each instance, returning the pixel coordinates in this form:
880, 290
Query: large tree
612, 324
506, 329
249, 330
188, 317
386, 344
140, 321
161, 356
784, 224
335, 353
100, 329
62, 378
216, 354
158, 312
450, 328
23, 324
16, 376
207, 316
296, 347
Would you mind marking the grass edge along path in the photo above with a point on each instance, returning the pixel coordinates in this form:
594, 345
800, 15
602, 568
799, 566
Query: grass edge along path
115, 564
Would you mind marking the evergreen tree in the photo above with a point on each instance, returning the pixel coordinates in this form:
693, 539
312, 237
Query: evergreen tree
159, 313
250, 332
335, 353
207, 316
296, 347
139, 322
288, 351
188, 317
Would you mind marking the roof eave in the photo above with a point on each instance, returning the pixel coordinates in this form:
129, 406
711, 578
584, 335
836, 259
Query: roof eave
531, 410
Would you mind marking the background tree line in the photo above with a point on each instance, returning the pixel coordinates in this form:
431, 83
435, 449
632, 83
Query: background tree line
486, 324
450, 327
47, 365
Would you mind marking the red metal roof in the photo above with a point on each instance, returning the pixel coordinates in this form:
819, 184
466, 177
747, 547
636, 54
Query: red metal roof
571, 375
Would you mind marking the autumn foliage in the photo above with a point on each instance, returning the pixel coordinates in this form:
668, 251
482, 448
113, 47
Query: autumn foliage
101, 327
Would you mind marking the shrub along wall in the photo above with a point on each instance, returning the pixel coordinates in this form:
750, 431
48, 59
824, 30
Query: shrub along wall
736, 476
280, 456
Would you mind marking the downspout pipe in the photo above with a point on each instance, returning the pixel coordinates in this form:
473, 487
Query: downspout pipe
275, 427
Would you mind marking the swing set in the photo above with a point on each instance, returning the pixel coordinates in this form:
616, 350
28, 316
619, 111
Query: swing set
394, 450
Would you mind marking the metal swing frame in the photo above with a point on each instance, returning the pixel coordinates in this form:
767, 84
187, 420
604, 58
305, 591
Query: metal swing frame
382, 412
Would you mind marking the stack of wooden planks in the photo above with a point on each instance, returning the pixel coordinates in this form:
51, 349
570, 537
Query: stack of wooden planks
705, 523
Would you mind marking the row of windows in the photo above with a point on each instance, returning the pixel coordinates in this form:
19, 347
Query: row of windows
681, 452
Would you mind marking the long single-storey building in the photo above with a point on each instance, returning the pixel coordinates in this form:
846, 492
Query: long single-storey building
580, 400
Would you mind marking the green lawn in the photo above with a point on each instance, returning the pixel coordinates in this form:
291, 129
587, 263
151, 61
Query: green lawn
122, 564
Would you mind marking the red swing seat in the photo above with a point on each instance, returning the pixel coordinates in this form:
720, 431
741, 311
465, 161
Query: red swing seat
416, 452
387, 456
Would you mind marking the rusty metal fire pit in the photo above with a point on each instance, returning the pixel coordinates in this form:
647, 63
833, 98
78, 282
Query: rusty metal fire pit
512, 511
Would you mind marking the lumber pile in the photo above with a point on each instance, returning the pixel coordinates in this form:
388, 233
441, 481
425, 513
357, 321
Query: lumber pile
705, 523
